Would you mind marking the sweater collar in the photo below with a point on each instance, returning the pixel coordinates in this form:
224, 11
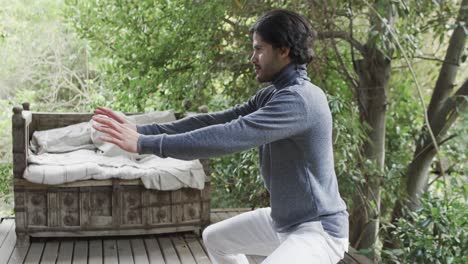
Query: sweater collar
289, 75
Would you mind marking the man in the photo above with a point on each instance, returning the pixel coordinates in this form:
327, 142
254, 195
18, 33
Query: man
290, 122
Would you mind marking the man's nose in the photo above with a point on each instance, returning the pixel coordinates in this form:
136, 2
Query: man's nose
253, 58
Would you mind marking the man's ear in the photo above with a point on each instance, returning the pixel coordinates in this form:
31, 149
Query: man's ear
284, 52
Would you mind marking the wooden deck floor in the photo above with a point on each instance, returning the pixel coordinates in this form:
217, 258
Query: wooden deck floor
174, 248
181, 248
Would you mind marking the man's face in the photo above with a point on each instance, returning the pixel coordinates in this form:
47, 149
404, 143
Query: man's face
268, 61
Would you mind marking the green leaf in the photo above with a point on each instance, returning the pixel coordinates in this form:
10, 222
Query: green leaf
426, 222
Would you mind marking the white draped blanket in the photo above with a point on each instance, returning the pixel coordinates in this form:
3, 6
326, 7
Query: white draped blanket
154, 172
74, 153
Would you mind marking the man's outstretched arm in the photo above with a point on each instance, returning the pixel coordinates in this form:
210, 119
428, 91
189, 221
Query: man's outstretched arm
198, 121
284, 116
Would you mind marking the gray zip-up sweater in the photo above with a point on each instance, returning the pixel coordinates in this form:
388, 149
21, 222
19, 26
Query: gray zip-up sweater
291, 123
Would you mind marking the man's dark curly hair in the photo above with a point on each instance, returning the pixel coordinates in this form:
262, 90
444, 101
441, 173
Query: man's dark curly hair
286, 29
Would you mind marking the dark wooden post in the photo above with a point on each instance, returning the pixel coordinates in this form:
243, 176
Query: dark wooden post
205, 198
20, 136
26, 106
19, 142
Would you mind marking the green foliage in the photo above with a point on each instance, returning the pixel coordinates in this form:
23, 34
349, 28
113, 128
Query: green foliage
410, 24
237, 181
42, 57
5, 130
6, 172
155, 53
436, 233
404, 119
6, 190
6, 169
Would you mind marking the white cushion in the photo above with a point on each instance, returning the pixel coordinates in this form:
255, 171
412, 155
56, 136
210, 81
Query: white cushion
62, 139
111, 150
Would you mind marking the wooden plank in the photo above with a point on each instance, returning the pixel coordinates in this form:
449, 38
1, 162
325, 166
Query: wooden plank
53, 206
120, 231
154, 251
95, 252
206, 197
203, 245
139, 251
9, 241
50, 252
65, 252
232, 214
124, 251
5, 227
146, 210
182, 250
219, 216
215, 218
19, 251
35, 253
84, 183
80, 252
18, 255
223, 215
116, 203
177, 208
84, 209
169, 253
197, 250
110, 251
20, 140
20, 215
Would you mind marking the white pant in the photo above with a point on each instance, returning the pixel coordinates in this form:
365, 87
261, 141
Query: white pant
253, 233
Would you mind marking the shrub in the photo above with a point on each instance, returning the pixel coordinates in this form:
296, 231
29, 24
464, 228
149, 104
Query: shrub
435, 233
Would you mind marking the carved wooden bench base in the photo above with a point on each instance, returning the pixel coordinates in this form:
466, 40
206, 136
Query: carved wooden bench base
92, 208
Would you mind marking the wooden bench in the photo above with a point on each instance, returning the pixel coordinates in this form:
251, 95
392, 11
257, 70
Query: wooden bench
95, 207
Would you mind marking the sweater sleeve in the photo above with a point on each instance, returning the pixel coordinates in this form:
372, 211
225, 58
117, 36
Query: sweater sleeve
199, 121
283, 116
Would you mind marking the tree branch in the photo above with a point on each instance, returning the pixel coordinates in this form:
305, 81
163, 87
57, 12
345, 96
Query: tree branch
353, 81
353, 57
179, 69
233, 24
450, 67
342, 35
429, 58
441, 122
447, 114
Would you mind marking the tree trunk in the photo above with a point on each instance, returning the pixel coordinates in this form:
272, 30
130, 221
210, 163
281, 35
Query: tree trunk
374, 74
442, 112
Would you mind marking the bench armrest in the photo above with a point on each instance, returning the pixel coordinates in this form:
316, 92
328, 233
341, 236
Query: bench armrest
21, 121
